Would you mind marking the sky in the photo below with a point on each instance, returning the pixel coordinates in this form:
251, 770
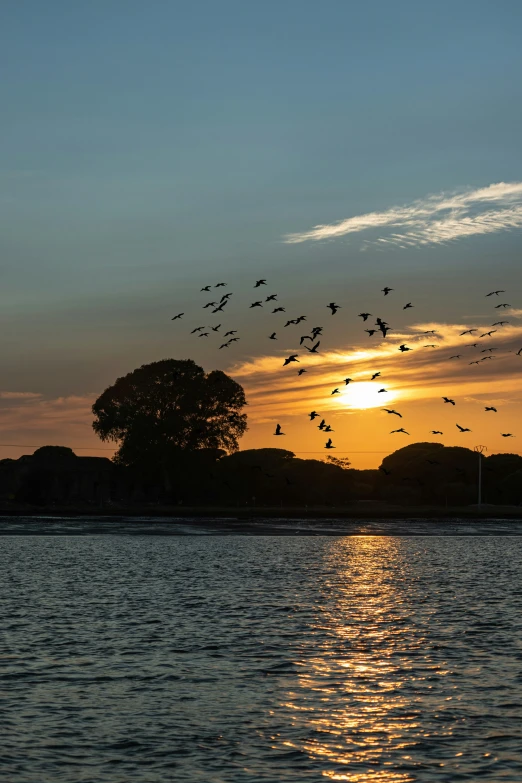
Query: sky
150, 149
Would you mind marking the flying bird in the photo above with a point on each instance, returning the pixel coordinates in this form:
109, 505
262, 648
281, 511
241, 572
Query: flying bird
271, 298
495, 292
290, 322
456, 356
507, 435
279, 310
447, 399
437, 432
205, 288
232, 331
314, 348
220, 307
215, 328
259, 282
431, 345
347, 381
225, 345
313, 415
386, 290
476, 362
321, 425
278, 430
382, 390
407, 306
491, 408
375, 375
519, 352
371, 332
329, 444
364, 316
336, 391
305, 337
292, 358
502, 305
431, 331
468, 331
204, 334
400, 430
488, 334
234, 340
463, 429
273, 336
301, 371
384, 329
256, 304
333, 307
220, 285
197, 329
209, 304
177, 316
500, 323
403, 348
396, 413
328, 428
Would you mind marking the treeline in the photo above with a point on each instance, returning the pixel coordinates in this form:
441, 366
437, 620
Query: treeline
419, 474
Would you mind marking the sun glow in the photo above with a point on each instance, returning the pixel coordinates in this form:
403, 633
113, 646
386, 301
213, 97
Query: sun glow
365, 394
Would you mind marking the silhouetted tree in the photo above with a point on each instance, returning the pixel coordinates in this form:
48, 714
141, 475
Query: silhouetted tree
166, 409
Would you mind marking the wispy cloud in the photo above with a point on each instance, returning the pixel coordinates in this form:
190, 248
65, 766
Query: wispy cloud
433, 220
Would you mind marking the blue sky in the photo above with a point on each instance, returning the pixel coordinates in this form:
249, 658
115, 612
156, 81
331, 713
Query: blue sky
149, 148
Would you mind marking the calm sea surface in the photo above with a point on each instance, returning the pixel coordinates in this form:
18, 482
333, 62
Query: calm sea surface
144, 659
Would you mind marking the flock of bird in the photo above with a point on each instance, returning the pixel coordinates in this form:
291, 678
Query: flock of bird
381, 326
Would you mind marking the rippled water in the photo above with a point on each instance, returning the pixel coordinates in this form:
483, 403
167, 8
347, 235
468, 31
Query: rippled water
140, 659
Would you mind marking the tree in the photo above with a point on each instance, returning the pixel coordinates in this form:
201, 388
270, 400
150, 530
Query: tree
166, 409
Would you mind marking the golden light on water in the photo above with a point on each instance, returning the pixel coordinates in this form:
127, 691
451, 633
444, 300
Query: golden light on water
365, 394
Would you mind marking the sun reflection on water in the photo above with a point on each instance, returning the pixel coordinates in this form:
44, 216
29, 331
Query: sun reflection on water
356, 700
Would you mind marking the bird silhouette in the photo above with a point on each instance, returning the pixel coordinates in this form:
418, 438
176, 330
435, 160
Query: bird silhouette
290, 322
447, 399
305, 337
317, 330
259, 282
491, 408
177, 316
279, 310
220, 285
396, 413
468, 331
225, 345
347, 381
328, 428
486, 350
462, 429
205, 288
234, 340
278, 430
476, 362
291, 358
407, 306
313, 415
219, 308
431, 331
204, 334
488, 334
403, 348
232, 331
273, 336
495, 292
321, 425
300, 318
472, 345
382, 390
256, 304
216, 328
437, 432
364, 316
197, 329
226, 296
384, 329
456, 356
333, 307
271, 298
314, 348
519, 352
500, 323
400, 430
507, 435
209, 304
329, 444
505, 304
336, 391
301, 371
375, 375
431, 345
386, 290
371, 332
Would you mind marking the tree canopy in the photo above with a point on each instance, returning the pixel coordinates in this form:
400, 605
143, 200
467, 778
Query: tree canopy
170, 407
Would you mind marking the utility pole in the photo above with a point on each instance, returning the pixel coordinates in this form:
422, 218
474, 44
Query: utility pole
480, 451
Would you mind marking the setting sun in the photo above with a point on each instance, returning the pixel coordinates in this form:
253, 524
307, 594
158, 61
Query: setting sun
365, 395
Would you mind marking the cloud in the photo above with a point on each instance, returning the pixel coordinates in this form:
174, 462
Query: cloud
7, 395
421, 374
433, 220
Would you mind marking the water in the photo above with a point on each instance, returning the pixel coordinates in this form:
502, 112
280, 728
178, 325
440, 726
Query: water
145, 659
